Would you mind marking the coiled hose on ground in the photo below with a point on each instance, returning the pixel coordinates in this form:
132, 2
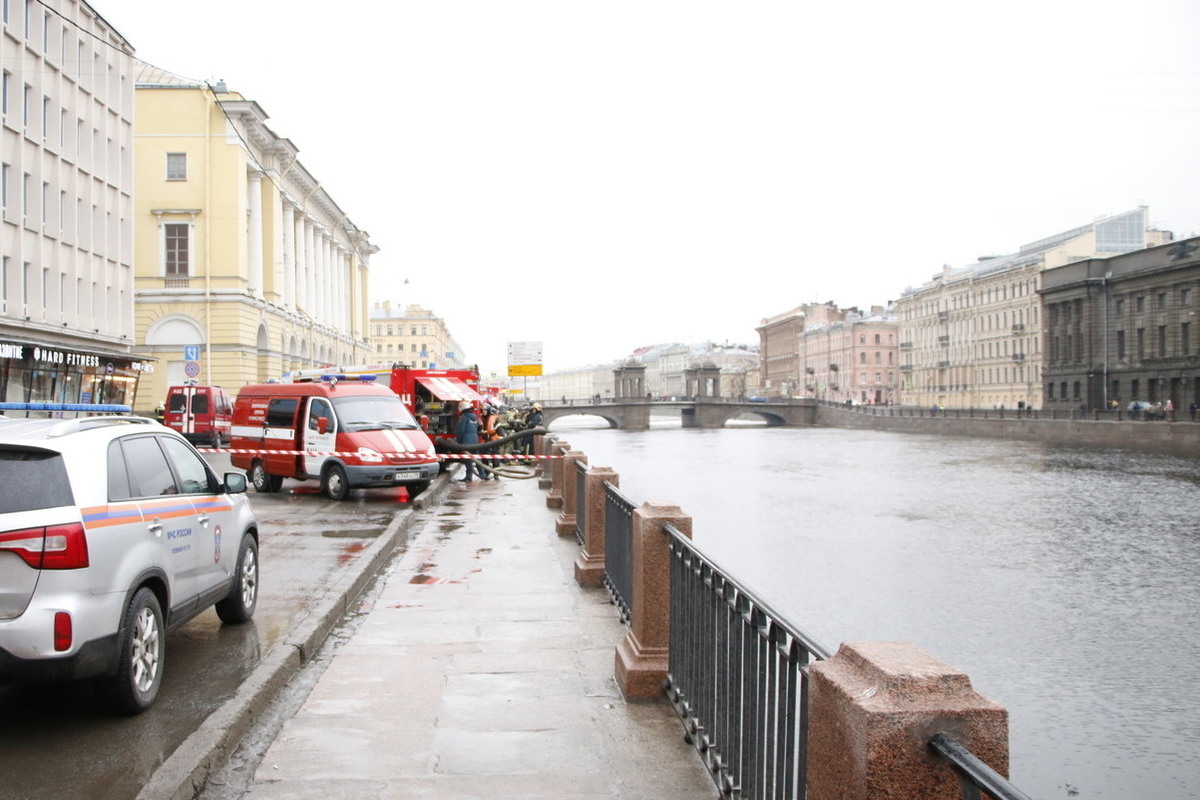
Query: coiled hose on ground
505, 468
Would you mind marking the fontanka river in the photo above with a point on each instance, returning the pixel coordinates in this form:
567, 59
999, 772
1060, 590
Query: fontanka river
1062, 581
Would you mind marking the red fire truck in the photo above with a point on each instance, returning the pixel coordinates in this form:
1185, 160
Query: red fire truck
437, 394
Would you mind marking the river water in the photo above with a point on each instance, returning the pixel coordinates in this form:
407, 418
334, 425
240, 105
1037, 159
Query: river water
1062, 581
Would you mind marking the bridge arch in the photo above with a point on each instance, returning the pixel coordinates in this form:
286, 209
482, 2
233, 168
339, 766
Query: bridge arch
550, 415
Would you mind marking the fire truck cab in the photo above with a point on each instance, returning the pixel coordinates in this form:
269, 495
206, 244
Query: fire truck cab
345, 431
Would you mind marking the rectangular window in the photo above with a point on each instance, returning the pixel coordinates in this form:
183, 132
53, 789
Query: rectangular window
45, 117
1162, 341
1120, 344
4, 93
1185, 338
1141, 343
1139, 304
176, 238
177, 166
1120, 307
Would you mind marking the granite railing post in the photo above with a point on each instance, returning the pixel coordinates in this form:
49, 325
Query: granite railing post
543, 445
589, 564
567, 520
874, 706
554, 498
642, 656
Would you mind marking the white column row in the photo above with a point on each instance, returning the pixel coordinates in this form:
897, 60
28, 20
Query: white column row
311, 269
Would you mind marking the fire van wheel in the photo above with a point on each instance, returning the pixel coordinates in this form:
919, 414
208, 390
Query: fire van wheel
337, 486
264, 482
416, 487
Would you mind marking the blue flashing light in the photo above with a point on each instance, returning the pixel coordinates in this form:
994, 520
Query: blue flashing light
95, 408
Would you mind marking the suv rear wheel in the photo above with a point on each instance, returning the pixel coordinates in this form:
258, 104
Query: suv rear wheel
238, 606
135, 684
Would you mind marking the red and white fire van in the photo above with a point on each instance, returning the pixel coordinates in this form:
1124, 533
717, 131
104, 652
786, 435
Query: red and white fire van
347, 433
203, 414
438, 394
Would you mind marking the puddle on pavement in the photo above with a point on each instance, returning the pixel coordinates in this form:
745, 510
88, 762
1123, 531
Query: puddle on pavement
353, 533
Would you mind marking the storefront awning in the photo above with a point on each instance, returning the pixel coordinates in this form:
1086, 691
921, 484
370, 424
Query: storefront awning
451, 389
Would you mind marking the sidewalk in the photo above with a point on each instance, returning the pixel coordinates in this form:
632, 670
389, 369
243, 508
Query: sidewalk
482, 671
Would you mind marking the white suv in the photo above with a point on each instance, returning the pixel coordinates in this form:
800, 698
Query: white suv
113, 530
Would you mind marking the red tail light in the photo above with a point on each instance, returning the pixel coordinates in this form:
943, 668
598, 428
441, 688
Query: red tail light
52, 547
62, 631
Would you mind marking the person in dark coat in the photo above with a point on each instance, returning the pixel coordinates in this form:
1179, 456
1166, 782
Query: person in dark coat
467, 432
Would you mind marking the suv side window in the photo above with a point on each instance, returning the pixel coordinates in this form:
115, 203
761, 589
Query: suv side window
149, 472
193, 474
118, 474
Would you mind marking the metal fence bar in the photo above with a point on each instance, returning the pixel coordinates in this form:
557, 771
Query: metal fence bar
618, 548
581, 469
738, 678
973, 773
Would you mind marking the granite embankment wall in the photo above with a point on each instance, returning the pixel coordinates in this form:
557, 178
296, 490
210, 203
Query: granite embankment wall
1171, 438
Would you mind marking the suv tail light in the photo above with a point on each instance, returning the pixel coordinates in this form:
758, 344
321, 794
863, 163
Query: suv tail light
51, 547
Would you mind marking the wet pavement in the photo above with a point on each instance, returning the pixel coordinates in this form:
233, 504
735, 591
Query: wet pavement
478, 668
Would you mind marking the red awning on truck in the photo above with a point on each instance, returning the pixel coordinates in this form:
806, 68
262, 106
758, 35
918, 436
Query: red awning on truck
451, 389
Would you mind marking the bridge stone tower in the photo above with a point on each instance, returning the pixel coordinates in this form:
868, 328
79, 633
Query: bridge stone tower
629, 381
629, 385
702, 380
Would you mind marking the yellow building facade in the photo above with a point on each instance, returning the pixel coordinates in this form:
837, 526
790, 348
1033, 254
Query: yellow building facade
245, 268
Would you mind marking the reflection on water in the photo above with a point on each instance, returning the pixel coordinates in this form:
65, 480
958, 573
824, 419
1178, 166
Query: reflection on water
1062, 581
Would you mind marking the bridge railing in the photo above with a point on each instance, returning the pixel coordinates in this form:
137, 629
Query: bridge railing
743, 678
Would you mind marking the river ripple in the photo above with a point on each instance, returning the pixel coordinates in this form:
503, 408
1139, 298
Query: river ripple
1063, 581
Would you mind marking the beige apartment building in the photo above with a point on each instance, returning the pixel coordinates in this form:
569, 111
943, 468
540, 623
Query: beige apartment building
972, 336
412, 336
245, 267
66, 208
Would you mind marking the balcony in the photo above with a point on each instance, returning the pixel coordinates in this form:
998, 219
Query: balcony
943, 316
943, 340
906, 345
1018, 356
1019, 328
906, 368
943, 364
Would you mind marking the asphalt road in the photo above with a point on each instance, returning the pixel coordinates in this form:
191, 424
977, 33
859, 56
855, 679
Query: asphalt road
57, 741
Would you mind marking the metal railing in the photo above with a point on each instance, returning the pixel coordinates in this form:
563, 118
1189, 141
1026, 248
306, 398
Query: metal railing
618, 549
738, 678
581, 470
973, 774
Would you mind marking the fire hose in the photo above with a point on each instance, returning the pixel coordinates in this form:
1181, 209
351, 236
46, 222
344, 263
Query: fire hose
511, 470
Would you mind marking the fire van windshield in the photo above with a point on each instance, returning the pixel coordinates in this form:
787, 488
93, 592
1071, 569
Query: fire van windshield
373, 413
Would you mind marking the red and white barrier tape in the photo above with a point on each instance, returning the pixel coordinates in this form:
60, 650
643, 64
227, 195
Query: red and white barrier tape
369, 457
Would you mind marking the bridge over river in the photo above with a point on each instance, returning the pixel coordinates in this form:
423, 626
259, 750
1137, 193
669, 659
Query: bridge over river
702, 412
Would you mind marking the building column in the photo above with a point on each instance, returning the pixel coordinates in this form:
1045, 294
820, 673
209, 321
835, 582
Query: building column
289, 255
254, 238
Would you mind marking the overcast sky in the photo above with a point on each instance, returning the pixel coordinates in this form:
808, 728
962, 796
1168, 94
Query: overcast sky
599, 176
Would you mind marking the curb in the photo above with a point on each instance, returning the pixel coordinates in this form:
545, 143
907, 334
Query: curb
184, 774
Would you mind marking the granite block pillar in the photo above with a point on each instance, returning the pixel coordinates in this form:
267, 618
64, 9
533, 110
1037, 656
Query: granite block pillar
554, 498
568, 520
642, 656
589, 564
874, 707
